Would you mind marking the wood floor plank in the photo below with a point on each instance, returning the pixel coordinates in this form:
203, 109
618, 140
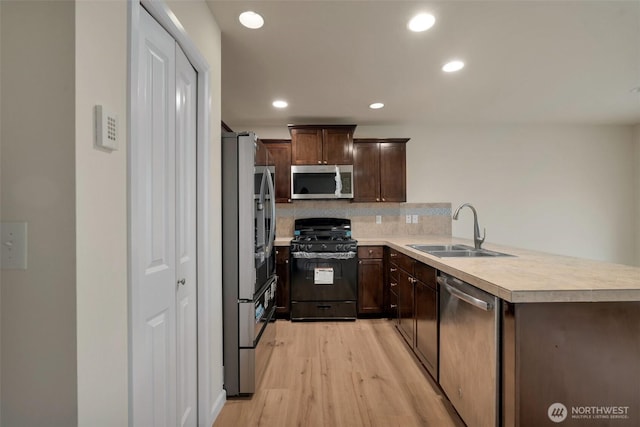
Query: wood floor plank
351, 374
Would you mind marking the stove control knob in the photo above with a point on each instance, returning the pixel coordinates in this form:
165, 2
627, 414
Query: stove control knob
339, 247
324, 246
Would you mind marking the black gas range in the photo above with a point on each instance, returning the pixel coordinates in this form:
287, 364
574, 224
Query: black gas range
324, 270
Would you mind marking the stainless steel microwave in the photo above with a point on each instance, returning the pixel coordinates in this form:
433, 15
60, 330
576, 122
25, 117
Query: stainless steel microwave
322, 182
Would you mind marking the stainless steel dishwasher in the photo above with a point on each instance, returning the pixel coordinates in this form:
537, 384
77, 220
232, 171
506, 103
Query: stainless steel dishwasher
469, 356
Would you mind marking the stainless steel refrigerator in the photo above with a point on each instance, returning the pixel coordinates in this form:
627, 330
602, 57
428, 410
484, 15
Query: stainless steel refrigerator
248, 261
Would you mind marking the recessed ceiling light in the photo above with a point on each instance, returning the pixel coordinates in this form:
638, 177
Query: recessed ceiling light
280, 104
453, 66
376, 105
421, 22
251, 20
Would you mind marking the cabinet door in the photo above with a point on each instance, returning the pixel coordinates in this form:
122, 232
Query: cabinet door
393, 187
405, 306
366, 172
337, 148
281, 158
370, 286
282, 271
306, 146
427, 327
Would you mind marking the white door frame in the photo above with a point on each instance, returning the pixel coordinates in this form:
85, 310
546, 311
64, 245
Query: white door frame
207, 407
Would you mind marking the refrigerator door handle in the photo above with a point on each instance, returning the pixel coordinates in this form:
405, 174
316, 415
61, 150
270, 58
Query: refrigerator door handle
272, 222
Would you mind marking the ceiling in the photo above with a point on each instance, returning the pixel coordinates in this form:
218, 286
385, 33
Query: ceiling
526, 62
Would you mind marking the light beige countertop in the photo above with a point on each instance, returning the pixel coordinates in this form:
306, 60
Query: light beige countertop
526, 277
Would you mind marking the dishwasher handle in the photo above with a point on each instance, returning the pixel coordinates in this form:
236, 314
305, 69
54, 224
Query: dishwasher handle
463, 296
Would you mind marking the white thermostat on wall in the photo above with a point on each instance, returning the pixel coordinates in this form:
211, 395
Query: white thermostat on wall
106, 128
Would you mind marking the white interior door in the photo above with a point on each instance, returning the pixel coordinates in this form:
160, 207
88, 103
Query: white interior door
186, 105
163, 230
153, 232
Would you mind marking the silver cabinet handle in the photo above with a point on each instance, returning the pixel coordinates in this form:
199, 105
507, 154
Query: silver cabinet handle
394, 305
182, 281
393, 269
393, 284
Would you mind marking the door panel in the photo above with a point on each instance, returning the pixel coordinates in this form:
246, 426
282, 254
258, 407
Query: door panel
306, 146
393, 181
366, 166
337, 147
153, 231
186, 98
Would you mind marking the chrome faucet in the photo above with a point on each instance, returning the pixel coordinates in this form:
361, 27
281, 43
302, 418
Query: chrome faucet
477, 241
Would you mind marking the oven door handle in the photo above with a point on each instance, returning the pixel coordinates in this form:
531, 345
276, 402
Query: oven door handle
324, 255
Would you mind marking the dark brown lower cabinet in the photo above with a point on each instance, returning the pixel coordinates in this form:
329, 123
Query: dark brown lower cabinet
571, 364
414, 286
283, 297
370, 280
426, 315
406, 322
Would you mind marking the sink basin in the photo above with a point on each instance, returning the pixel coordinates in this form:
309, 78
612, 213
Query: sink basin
430, 248
457, 251
469, 253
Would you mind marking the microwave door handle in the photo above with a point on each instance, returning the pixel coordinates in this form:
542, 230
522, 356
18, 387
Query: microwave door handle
272, 222
338, 179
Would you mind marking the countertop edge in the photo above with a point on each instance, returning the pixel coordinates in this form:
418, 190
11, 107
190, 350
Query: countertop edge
469, 271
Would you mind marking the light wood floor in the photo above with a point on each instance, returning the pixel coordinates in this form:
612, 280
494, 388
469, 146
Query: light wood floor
341, 374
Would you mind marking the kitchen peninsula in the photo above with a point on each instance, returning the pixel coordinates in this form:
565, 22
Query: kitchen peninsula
569, 331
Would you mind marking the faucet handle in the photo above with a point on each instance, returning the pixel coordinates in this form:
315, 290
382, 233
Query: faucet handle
484, 235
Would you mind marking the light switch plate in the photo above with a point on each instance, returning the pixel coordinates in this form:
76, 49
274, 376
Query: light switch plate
408, 219
14, 245
414, 219
378, 219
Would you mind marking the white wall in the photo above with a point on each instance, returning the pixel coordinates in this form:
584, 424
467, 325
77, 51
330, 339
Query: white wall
636, 135
559, 189
38, 186
101, 216
74, 198
0, 213
200, 24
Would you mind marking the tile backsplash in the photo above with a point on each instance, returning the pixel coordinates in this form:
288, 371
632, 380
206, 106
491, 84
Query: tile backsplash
433, 218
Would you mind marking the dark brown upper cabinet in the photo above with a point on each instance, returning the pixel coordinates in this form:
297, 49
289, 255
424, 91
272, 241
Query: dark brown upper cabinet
379, 168
280, 151
322, 144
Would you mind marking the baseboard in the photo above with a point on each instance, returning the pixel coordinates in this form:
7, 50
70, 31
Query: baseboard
217, 405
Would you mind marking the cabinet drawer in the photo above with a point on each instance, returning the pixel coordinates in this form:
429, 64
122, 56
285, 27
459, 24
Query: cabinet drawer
323, 310
370, 252
401, 260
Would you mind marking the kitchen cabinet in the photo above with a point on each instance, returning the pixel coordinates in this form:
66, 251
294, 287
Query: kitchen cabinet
379, 167
322, 144
572, 360
415, 287
283, 294
280, 151
402, 282
426, 317
370, 280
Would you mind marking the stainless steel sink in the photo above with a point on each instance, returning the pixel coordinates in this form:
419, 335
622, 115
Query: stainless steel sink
430, 248
457, 251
